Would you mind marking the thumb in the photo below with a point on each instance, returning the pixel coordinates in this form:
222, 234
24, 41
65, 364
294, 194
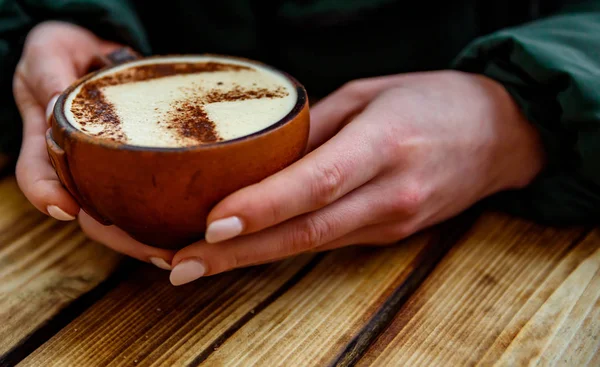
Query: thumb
54, 84
56, 55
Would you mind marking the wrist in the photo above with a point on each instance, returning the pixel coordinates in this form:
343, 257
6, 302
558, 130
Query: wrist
518, 154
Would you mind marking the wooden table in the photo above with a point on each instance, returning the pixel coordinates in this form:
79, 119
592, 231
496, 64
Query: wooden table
483, 288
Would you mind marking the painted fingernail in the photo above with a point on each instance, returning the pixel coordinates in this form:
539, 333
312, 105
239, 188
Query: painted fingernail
59, 214
160, 263
224, 229
187, 271
50, 107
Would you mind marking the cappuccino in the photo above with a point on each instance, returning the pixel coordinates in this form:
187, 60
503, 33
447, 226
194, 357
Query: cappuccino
180, 101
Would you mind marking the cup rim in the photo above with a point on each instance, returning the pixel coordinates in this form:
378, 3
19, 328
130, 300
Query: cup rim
74, 133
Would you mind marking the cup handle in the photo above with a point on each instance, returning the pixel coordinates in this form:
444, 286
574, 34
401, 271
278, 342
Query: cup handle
59, 162
116, 57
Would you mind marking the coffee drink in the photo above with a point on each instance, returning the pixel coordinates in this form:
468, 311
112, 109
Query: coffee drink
180, 101
152, 144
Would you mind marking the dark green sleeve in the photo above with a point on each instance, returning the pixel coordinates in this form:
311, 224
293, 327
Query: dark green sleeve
551, 67
110, 19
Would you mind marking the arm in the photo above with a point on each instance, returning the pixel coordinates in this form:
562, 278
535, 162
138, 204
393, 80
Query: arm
551, 67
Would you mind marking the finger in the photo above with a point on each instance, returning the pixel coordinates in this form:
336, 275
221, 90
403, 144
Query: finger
373, 235
121, 242
333, 112
347, 161
49, 65
36, 177
329, 115
299, 235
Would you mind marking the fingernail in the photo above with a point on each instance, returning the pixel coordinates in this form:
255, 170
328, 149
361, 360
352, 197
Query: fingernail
223, 229
187, 271
160, 263
59, 214
50, 107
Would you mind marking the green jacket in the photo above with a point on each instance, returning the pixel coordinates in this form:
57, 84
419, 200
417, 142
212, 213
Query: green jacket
546, 53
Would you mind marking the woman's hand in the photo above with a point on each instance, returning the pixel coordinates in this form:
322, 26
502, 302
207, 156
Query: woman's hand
54, 56
389, 156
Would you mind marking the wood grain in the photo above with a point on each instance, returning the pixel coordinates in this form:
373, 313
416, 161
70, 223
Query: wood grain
512, 293
296, 312
44, 266
566, 328
145, 320
312, 322
509, 293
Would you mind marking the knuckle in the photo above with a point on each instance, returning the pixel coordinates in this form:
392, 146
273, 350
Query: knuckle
408, 202
18, 81
35, 47
309, 233
20, 70
399, 143
352, 87
236, 260
273, 208
45, 31
328, 184
411, 201
355, 89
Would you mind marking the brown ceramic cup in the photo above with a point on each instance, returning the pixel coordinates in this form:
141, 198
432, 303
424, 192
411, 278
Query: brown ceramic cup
162, 196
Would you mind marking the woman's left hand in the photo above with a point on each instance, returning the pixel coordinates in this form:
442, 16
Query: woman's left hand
388, 157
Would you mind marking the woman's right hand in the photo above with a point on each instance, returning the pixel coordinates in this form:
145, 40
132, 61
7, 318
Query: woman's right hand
55, 55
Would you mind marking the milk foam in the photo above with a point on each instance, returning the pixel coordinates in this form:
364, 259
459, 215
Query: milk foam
147, 109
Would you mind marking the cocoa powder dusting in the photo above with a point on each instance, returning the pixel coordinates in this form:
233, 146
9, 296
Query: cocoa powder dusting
191, 120
142, 73
240, 94
91, 106
188, 118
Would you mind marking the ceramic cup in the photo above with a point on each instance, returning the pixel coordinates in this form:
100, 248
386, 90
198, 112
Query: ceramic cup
162, 196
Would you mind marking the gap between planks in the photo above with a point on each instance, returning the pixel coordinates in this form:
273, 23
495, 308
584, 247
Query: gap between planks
514, 293
449, 233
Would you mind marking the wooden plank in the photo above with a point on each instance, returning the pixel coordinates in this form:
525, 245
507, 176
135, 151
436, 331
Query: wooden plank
444, 236
44, 266
512, 292
314, 321
566, 328
145, 320
297, 311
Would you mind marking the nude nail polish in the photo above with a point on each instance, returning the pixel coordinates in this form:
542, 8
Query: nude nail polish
224, 229
59, 214
187, 271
